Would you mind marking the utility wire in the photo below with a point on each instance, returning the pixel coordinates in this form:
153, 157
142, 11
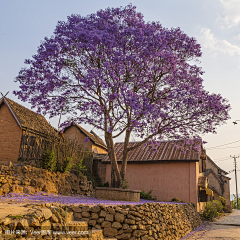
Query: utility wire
223, 145
222, 148
222, 160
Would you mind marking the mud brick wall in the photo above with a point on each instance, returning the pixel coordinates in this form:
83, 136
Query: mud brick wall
10, 134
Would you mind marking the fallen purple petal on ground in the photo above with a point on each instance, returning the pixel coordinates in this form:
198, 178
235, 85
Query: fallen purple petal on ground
72, 200
194, 231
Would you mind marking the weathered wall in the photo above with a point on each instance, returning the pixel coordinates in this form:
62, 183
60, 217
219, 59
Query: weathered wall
226, 185
149, 221
10, 136
167, 180
99, 168
214, 182
97, 149
152, 221
209, 165
73, 133
28, 179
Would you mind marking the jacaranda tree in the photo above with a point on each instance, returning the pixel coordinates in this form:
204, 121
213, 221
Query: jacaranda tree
123, 75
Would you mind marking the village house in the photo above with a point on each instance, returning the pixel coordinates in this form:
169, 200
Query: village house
218, 181
191, 177
170, 173
77, 133
15, 121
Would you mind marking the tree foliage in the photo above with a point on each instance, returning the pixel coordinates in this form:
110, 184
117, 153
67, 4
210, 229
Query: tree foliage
123, 75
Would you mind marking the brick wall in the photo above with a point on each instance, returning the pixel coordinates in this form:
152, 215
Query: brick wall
10, 136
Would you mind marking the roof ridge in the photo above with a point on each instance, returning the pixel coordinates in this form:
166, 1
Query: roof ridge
95, 139
216, 175
216, 165
8, 99
30, 119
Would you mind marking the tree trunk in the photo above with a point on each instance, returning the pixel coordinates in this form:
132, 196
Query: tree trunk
125, 155
116, 180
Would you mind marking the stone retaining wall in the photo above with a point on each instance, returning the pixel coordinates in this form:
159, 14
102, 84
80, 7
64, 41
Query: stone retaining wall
136, 222
117, 194
148, 221
29, 179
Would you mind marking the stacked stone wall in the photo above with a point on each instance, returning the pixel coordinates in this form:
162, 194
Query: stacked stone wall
135, 222
29, 179
149, 221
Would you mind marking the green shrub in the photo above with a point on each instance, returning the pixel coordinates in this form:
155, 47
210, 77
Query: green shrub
93, 179
175, 199
234, 203
125, 184
210, 211
66, 165
219, 205
79, 167
224, 203
48, 160
147, 196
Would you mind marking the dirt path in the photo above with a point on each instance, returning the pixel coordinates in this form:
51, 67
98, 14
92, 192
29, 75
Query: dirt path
225, 228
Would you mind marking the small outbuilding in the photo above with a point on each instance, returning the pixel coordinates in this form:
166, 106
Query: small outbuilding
169, 173
219, 183
77, 133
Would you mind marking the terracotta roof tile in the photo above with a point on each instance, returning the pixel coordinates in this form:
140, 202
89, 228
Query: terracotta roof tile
165, 151
29, 119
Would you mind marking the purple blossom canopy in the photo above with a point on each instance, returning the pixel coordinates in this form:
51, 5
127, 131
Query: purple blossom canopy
119, 73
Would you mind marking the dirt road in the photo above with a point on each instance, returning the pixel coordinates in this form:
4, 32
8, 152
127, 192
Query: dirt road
225, 228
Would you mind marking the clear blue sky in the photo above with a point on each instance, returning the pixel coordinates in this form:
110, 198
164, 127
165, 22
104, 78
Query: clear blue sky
215, 24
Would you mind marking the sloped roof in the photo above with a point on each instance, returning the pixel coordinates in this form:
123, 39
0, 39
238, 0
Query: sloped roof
214, 189
166, 151
208, 171
29, 119
94, 138
224, 172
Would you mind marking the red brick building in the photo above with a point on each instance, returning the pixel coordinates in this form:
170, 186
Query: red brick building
15, 120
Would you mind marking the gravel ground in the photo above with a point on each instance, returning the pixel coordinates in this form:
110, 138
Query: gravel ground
42, 197
226, 227
213, 231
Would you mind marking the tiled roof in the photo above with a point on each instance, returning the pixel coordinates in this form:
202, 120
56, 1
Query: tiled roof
29, 119
224, 172
165, 151
92, 135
